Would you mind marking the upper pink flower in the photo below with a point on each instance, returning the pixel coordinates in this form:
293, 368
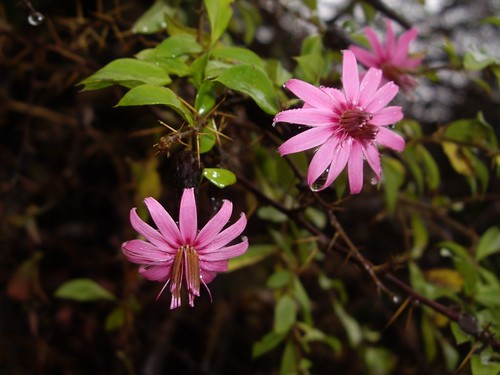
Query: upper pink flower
180, 254
346, 126
392, 57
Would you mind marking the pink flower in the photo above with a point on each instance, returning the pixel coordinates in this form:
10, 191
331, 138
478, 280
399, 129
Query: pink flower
392, 57
180, 254
346, 126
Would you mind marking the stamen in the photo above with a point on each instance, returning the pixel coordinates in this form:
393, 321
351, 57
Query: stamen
355, 123
186, 265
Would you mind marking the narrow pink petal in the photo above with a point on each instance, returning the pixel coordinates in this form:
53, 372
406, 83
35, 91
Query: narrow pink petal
365, 57
214, 225
219, 266
305, 116
164, 222
152, 235
188, 219
304, 141
340, 157
207, 276
156, 273
321, 160
310, 94
383, 96
411, 63
387, 116
142, 252
350, 77
403, 44
372, 156
374, 42
369, 85
390, 139
390, 40
226, 236
355, 168
337, 96
227, 252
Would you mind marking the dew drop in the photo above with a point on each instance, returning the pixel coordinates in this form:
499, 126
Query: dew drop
320, 181
396, 299
374, 181
35, 18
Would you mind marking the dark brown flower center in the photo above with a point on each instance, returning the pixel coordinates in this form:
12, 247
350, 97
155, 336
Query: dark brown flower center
356, 124
186, 266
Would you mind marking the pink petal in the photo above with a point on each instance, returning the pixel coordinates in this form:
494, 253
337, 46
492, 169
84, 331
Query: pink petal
355, 168
321, 160
156, 273
337, 96
369, 85
207, 276
387, 116
374, 42
226, 236
220, 266
152, 235
403, 44
364, 57
188, 219
383, 96
164, 222
308, 139
305, 116
340, 157
142, 252
390, 40
310, 94
214, 225
350, 77
225, 253
390, 139
372, 156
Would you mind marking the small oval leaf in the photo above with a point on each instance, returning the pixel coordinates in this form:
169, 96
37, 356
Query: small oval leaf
219, 177
83, 290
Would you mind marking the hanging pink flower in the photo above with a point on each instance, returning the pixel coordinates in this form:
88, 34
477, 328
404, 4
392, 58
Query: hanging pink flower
345, 126
180, 254
392, 57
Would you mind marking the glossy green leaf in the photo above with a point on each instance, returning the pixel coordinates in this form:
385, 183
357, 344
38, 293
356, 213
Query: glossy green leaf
177, 27
178, 45
237, 55
285, 314
253, 81
219, 15
253, 255
175, 65
207, 140
83, 290
205, 97
198, 68
154, 95
153, 20
267, 343
394, 177
128, 73
219, 177
489, 243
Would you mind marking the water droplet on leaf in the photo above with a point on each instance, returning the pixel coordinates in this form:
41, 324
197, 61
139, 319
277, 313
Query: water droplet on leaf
320, 181
35, 18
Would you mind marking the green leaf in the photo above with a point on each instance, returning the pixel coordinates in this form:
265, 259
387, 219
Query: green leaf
310, 67
303, 300
285, 314
253, 81
205, 97
83, 290
253, 255
178, 45
278, 74
485, 363
153, 95
198, 68
478, 60
420, 236
430, 345
219, 177
251, 19
464, 264
239, 55
431, 170
147, 180
128, 73
379, 361
176, 65
267, 343
351, 326
115, 319
279, 279
153, 20
272, 214
394, 177
219, 15
493, 20
207, 139
459, 335
489, 243
289, 359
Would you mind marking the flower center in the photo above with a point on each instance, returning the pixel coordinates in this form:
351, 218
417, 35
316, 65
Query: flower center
355, 123
186, 265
